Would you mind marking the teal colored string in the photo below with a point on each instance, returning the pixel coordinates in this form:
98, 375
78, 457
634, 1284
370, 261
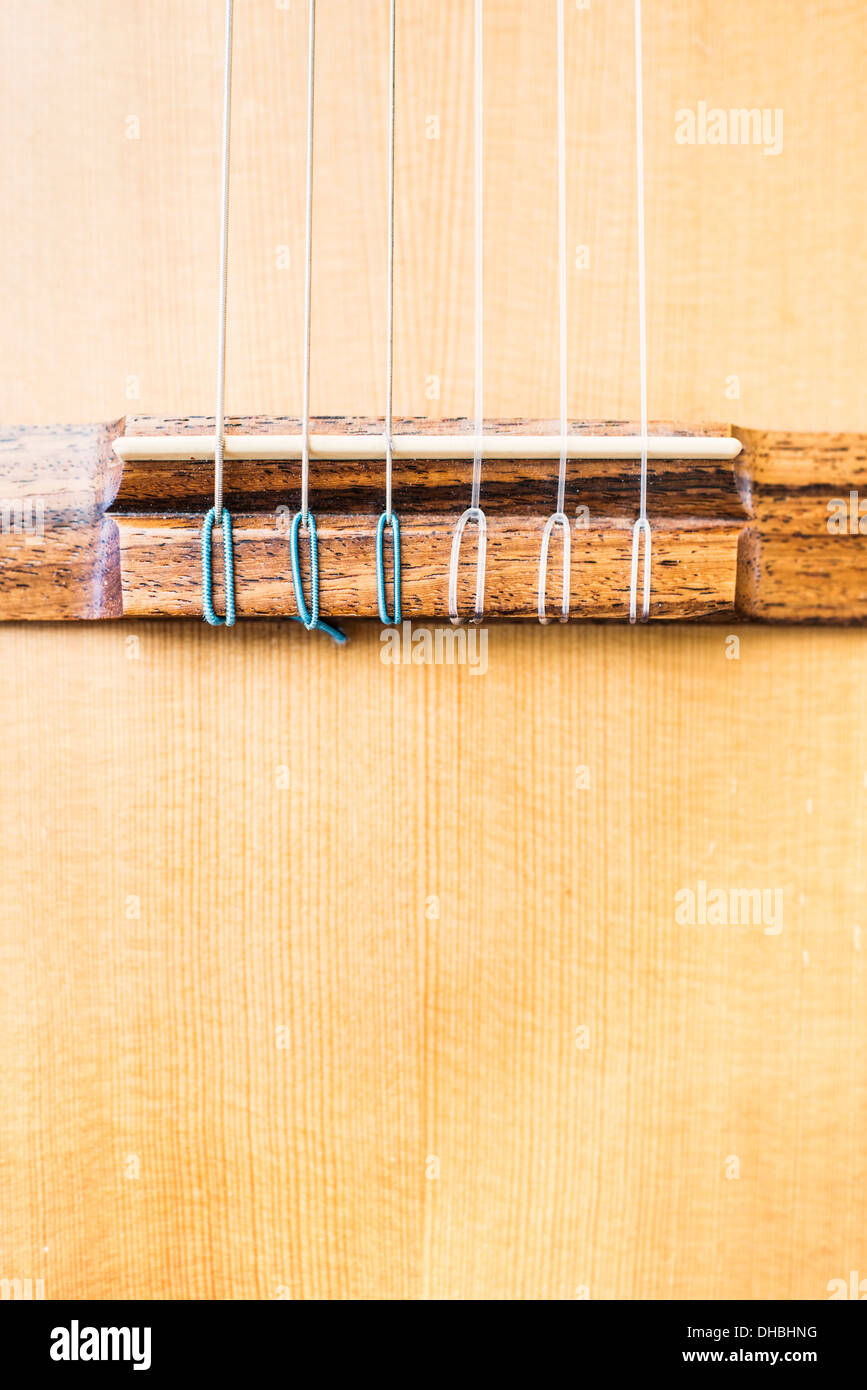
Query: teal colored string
210, 615
384, 618
309, 616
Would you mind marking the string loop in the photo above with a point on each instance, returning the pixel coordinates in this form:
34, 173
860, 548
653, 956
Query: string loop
309, 616
394, 524
641, 528
554, 520
210, 614
476, 515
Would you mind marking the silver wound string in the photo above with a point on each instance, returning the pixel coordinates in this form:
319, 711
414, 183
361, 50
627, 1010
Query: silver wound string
478, 200
308, 265
642, 525
220, 413
389, 418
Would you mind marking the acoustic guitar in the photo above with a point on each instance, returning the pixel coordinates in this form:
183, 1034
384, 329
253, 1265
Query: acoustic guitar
433, 488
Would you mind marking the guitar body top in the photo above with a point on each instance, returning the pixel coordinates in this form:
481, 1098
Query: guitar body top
527, 964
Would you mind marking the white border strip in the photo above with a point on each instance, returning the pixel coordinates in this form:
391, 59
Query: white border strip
200, 447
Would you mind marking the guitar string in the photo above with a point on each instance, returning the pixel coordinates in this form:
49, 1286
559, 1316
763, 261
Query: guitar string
308, 614
474, 513
642, 525
561, 244
388, 517
558, 517
218, 514
389, 422
220, 421
308, 265
478, 268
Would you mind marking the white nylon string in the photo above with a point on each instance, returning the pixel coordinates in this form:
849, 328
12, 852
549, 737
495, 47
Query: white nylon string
642, 525
473, 513
308, 265
561, 243
558, 520
389, 416
220, 412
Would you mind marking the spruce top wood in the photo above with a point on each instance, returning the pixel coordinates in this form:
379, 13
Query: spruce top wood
755, 533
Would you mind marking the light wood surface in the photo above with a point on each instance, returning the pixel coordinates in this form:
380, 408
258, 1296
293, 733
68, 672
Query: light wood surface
233, 1043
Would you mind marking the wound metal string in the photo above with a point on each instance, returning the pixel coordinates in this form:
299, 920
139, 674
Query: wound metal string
308, 265
308, 613
390, 271
220, 420
388, 517
642, 525
218, 515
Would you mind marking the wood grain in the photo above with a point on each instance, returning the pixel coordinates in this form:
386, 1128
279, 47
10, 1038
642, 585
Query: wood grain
209, 837
775, 536
220, 962
59, 553
152, 512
